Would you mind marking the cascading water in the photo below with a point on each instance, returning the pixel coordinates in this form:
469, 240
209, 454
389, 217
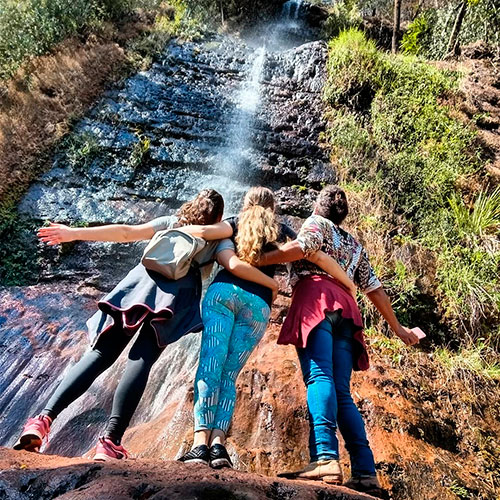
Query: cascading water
292, 9
237, 156
217, 113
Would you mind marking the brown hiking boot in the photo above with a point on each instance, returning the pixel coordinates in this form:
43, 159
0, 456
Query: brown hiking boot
328, 471
366, 484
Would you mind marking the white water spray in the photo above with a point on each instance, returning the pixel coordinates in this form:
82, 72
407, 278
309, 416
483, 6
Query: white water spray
238, 152
250, 94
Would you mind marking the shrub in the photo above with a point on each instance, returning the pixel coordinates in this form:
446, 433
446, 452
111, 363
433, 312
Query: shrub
468, 284
342, 16
473, 360
405, 142
484, 218
31, 27
428, 34
351, 142
416, 36
356, 70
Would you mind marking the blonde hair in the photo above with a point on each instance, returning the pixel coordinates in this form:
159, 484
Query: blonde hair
257, 224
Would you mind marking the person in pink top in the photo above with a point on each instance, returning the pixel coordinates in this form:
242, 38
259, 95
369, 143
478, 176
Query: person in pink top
325, 325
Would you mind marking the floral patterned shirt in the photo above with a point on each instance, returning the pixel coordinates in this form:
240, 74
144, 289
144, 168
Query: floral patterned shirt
318, 233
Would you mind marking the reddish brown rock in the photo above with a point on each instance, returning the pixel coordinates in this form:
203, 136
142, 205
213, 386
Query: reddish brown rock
26, 476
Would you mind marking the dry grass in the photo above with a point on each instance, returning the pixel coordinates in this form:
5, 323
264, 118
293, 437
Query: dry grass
39, 103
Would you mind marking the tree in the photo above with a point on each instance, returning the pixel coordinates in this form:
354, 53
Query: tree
396, 25
453, 43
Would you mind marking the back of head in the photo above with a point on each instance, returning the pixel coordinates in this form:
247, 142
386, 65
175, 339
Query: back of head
206, 208
331, 203
257, 224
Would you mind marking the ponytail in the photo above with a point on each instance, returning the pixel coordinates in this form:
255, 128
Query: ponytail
257, 224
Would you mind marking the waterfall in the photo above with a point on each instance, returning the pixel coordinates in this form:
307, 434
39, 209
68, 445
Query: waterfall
250, 94
292, 9
216, 113
238, 151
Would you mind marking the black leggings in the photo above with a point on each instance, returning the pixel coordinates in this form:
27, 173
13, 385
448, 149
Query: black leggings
128, 394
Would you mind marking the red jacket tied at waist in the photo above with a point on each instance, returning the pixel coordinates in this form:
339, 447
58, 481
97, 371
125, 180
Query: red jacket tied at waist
313, 297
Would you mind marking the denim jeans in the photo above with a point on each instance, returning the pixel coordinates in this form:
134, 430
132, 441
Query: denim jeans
326, 364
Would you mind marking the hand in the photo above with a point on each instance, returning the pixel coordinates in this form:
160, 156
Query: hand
406, 335
353, 292
56, 234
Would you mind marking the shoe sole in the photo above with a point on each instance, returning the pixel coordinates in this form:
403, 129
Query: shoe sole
326, 479
102, 457
195, 461
220, 463
29, 442
332, 480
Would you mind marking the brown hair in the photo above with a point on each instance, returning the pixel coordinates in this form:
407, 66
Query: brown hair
257, 224
206, 208
331, 203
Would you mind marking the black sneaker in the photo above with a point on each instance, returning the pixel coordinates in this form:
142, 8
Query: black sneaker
219, 457
198, 455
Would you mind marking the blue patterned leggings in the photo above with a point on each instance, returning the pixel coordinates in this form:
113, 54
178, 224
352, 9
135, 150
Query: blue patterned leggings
234, 321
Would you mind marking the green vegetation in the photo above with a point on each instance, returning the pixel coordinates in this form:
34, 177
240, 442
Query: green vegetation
171, 20
19, 255
213, 12
429, 33
139, 151
31, 27
80, 150
342, 16
471, 360
482, 219
390, 129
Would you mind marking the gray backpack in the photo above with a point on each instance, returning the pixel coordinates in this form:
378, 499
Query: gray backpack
173, 252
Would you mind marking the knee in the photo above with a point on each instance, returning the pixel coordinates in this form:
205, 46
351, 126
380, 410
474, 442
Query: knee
318, 377
344, 396
103, 361
204, 388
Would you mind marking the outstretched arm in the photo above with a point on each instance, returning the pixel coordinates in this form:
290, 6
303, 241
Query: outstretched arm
332, 267
381, 301
56, 234
217, 231
233, 264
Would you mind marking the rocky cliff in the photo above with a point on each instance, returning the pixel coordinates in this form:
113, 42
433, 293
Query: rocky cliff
227, 113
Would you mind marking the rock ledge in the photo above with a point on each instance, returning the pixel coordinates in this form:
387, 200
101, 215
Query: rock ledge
26, 476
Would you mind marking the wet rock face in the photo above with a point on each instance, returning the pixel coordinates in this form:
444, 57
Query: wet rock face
216, 113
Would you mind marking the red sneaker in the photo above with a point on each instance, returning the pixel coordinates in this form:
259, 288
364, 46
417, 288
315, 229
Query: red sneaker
34, 433
107, 450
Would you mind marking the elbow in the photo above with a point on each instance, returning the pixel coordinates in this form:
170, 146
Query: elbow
198, 231
232, 265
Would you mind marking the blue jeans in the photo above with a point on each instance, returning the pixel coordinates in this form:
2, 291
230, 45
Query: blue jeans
326, 364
